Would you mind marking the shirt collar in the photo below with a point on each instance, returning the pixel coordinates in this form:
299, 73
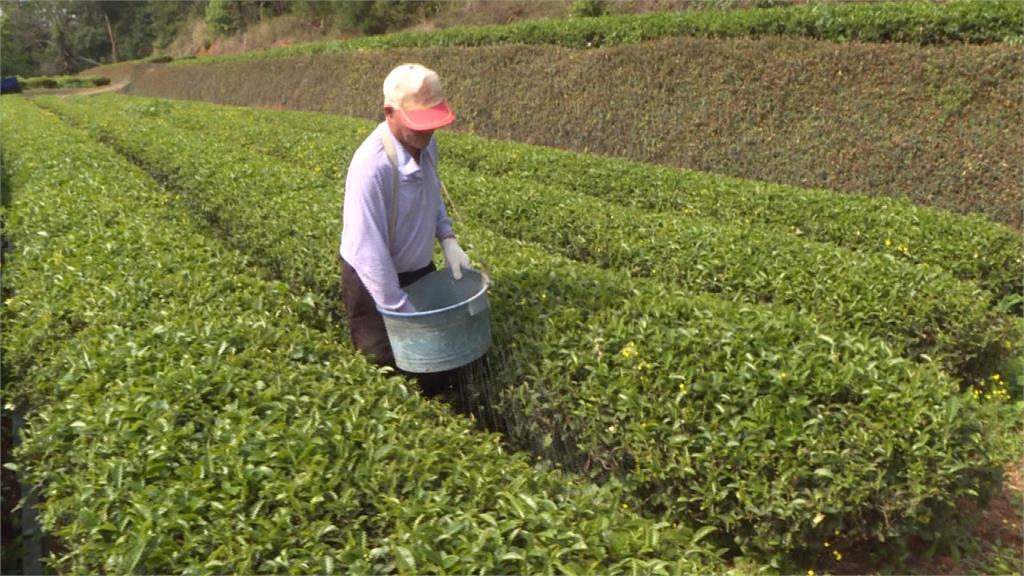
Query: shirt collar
406, 165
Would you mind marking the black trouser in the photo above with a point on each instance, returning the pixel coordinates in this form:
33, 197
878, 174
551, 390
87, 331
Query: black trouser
366, 325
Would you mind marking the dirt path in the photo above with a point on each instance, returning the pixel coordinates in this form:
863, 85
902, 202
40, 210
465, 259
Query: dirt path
121, 75
99, 89
87, 91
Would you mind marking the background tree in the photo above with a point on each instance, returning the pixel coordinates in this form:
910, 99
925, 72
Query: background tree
58, 56
323, 15
23, 38
166, 19
66, 36
221, 17
380, 16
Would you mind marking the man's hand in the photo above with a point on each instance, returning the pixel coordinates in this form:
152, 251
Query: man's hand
454, 257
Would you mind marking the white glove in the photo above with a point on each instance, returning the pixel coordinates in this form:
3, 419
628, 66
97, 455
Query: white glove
454, 257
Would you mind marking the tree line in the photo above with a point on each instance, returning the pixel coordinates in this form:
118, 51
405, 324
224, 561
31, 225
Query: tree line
46, 37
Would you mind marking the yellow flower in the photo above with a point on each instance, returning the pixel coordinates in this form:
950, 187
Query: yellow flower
810, 572
826, 544
837, 555
629, 351
888, 242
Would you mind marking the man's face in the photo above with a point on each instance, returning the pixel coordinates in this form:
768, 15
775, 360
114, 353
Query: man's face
415, 139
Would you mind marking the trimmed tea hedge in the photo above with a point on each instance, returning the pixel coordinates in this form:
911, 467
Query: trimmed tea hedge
184, 419
772, 430
917, 308
978, 21
970, 247
63, 81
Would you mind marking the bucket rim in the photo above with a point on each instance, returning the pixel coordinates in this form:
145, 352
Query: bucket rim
483, 289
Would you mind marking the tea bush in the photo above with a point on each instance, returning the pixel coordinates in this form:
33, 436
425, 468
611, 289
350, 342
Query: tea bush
183, 417
753, 420
969, 247
916, 307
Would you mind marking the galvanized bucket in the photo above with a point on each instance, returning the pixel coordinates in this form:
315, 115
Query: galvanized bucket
452, 325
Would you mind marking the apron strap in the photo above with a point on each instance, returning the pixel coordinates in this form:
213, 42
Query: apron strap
389, 149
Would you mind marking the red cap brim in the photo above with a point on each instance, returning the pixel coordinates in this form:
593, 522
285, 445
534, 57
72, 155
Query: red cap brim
428, 118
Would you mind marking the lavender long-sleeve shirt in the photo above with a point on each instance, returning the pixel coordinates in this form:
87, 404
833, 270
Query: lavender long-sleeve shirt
421, 216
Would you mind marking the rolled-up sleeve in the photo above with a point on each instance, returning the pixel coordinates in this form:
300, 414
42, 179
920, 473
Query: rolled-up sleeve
365, 229
444, 223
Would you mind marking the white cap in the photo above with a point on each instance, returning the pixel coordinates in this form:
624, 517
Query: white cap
415, 92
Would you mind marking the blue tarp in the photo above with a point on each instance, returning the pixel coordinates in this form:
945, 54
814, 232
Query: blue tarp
10, 84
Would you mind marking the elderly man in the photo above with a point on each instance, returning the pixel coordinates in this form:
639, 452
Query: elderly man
393, 210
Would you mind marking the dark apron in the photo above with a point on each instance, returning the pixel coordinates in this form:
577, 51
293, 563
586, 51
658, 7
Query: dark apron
365, 323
